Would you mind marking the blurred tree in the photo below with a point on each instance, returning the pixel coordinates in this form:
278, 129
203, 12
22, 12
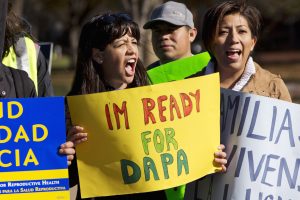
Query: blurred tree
279, 21
64, 19
60, 21
140, 11
78, 12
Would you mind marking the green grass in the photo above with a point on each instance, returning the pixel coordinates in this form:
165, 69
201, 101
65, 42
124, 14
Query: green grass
62, 81
61, 62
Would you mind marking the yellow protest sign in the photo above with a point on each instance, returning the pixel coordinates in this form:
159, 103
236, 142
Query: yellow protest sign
147, 138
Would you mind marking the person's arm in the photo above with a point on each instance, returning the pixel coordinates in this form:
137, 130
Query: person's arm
32, 92
44, 80
24, 86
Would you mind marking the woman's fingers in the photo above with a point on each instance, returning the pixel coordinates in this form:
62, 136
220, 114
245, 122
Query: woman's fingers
70, 158
68, 150
220, 157
220, 154
76, 135
68, 144
223, 168
74, 130
220, 161
78, 138
221, 147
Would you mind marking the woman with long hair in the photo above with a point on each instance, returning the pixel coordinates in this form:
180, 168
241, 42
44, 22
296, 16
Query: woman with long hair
108, 59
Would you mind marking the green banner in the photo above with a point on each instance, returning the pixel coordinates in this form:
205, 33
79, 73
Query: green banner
179, 69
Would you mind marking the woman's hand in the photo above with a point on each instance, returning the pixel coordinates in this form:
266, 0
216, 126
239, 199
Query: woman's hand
69, 150
220, 158
76, 135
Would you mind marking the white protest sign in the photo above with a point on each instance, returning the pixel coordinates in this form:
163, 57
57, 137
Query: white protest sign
262, 138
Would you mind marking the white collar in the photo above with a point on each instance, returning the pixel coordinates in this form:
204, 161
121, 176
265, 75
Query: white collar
248, 72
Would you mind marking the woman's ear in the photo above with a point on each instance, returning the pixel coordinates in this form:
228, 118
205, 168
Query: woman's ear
254, 39
97, 55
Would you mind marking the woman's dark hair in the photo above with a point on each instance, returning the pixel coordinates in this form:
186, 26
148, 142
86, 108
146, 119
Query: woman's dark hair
16, 27
215, 15
100, 31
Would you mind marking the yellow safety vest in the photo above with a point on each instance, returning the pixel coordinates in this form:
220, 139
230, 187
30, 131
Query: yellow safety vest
27, 61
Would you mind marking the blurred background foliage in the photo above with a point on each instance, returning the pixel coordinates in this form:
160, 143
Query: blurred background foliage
278, 48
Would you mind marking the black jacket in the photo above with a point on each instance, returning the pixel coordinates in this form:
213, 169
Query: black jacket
15, 83
45, 87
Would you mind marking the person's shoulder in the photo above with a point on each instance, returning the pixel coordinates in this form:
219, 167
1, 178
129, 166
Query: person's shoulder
12, 72
4, 70
268, 76
18, 72
273, 82
23, 84
153, 65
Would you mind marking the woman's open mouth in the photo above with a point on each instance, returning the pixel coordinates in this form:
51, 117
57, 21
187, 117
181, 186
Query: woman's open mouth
130, 66
233, 54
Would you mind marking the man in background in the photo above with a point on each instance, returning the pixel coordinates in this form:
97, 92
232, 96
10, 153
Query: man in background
173, 32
